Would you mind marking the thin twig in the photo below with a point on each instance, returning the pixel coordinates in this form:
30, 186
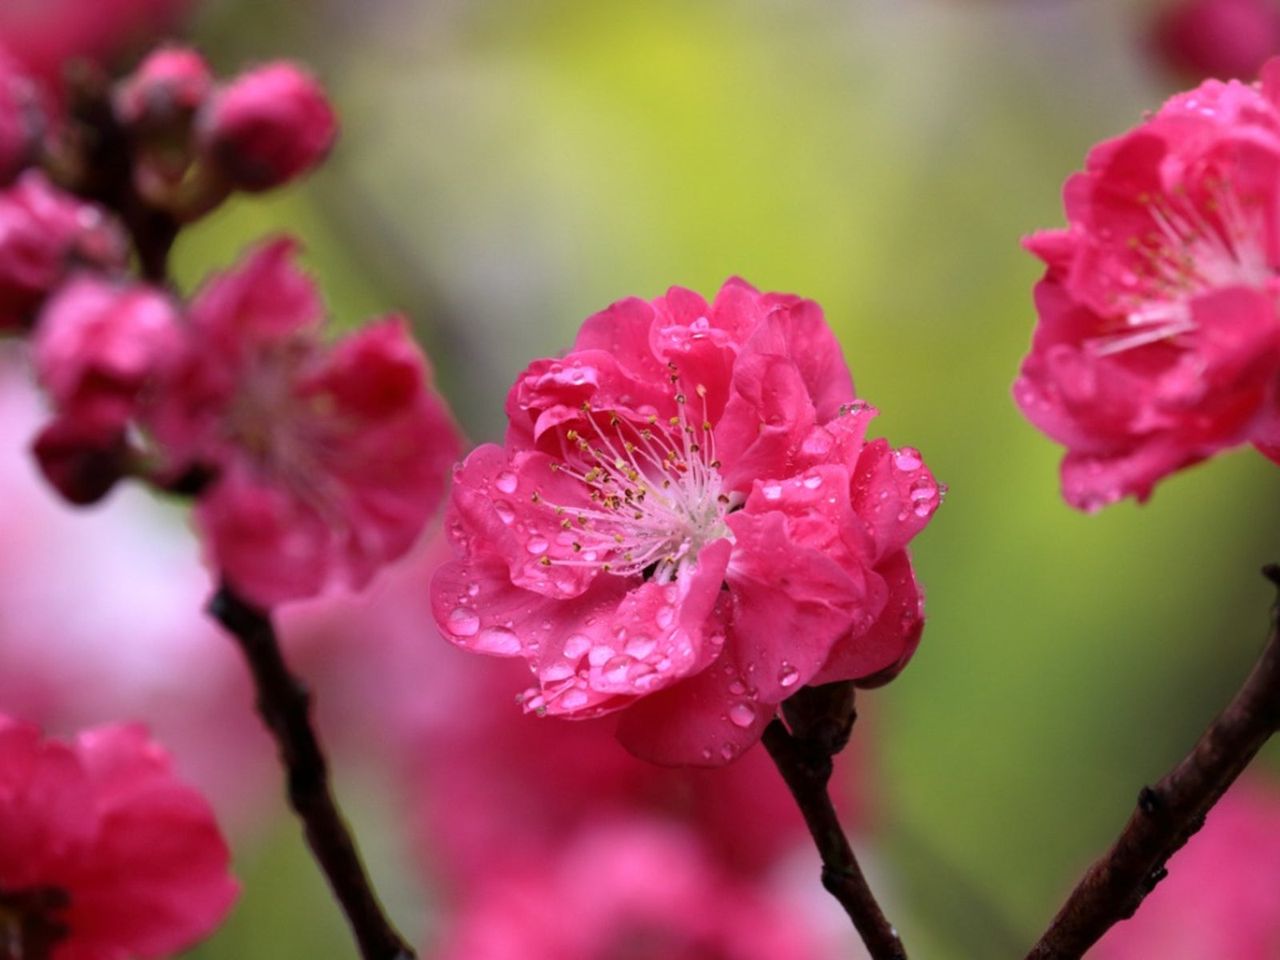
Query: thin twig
804, 758
1169, 814
285, 708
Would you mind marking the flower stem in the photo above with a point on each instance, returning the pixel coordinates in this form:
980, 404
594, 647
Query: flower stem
803, 755
1169, 814
284, 705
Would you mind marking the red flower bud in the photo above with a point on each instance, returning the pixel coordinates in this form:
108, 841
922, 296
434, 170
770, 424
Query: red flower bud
267, 126
168, 87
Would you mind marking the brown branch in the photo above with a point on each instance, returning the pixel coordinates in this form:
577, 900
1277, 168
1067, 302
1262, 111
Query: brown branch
821, 719
285, 708
1169, 814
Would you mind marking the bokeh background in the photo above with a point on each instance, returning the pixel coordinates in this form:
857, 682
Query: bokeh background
507, 168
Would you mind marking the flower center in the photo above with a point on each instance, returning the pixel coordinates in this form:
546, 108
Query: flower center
1197, 245
654, 488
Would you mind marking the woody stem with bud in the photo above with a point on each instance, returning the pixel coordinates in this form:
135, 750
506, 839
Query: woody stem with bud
1169, 813
818, 723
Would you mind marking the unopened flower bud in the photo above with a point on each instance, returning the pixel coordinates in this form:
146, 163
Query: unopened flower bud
164, 91
267, 126
79, 461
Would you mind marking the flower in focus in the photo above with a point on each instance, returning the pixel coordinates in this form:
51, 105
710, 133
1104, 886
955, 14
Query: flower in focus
44, 234
625, 890
103, 852
325, 461
1158, 343
1217, 38
267, 126
1222, 895
686, 521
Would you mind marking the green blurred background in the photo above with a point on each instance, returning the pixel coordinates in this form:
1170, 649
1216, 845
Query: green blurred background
508, 168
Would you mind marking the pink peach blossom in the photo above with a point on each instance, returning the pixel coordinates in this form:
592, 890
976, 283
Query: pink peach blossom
1227, 39
44, 36
1221, 898
1158, 343
687, 522
44, 234
267, 126
627, 889
102, 849
325, 461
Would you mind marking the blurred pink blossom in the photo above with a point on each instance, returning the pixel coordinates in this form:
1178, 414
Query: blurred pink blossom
325, 461
1226, 39
627, 890
103, 848
45, 35
1158, 343
1221, 899
678, 447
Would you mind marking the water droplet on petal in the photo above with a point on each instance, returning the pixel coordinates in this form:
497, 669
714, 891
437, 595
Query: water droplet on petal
737, 689
504, 511
600, 655
615, 671
788, 675
923, 490
473, 590
573, 699
727, 751
640, 647
463, 622
506, 482
557, 672
817, 443
706, 753
537, 546
908, 458
497, 640
665, 617
813, 483
742, 714
576, 646
771, 491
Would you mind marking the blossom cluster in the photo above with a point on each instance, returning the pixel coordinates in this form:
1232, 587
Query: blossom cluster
313, 463
1159, 341
103, 852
